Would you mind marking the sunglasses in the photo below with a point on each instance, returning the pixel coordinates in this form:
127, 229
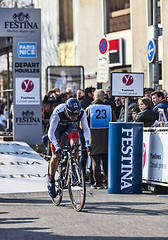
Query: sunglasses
73, 114
117, 100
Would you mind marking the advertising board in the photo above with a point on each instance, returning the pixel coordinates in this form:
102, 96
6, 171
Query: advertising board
155, 156
24, 26
64, 77
127, 84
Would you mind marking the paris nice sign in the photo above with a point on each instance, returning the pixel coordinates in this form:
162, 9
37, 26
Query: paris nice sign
127, 84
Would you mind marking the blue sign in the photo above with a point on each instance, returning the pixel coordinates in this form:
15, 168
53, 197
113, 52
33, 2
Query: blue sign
27, 49
100, 116
151, 51
125, 156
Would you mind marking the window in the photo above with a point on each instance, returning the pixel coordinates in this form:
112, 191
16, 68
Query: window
65, 20
118, 15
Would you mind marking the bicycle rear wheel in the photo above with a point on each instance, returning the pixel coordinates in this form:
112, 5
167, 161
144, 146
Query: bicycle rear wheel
58, 188
77, 187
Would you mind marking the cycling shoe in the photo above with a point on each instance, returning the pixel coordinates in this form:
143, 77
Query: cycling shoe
51, 189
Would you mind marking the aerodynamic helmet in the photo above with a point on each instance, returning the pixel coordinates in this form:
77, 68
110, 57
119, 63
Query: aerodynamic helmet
72, 106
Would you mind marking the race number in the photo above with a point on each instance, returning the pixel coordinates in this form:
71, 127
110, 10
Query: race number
100, 116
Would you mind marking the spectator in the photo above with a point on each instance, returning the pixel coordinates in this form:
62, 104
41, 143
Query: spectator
159, 102
117, 106
46, 114
53, 97
148, 92
146, 114
131, 104
135, 111
80, 94
86, 101
109, 99
69, 92
3, 121
5, 110
164, 93
64, 97
99, 115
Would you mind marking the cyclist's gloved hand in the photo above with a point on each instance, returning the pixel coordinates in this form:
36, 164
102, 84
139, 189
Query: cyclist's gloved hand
88, 145
58, 149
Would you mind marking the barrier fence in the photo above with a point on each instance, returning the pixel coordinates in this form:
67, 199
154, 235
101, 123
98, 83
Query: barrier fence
155, 156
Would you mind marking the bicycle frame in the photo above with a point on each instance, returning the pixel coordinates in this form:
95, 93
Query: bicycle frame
67, 155
70, 175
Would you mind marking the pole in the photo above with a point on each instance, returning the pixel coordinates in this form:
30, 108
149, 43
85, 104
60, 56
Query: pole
156, 34
8, 94
126, 109
32, 4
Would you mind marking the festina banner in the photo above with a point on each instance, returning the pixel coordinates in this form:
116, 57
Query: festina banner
24, 26
22, 169
125, 157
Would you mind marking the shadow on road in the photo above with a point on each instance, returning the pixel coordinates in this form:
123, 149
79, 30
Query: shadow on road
31, 234
124, 208
25, 200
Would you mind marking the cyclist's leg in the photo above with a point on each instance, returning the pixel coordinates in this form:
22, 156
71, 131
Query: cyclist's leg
54, 160
53, 167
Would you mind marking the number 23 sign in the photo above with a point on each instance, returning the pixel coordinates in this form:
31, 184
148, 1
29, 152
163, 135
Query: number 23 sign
100, 116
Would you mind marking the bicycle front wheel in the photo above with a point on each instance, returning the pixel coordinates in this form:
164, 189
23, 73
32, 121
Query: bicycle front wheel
77, 187
58, 188
59, 191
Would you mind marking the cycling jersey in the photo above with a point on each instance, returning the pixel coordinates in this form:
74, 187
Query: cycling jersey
60, 123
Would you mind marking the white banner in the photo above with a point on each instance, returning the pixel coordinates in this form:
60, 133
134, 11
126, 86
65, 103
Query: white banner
22, 169
155, 162
127, 84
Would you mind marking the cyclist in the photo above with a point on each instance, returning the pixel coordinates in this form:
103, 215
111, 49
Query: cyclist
63, 121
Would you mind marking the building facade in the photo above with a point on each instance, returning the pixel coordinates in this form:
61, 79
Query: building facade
72, 30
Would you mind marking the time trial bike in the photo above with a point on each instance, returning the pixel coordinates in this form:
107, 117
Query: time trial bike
70, 176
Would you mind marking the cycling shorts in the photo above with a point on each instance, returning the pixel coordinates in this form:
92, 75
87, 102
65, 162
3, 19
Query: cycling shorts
69, 132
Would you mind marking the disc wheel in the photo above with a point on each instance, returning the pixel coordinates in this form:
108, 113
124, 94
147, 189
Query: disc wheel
77, 187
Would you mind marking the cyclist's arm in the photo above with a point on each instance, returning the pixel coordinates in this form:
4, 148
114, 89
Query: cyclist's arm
53, 125
85, 127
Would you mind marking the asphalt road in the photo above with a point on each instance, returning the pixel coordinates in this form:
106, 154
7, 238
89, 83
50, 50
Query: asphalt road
105, 217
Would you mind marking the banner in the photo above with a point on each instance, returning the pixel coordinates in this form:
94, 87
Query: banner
125, 157
22, 169
24, 26
155, 156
